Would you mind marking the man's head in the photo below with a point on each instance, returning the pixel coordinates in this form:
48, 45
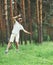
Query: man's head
20, 20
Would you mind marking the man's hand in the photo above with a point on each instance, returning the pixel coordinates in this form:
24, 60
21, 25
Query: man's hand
19, 15
31, 33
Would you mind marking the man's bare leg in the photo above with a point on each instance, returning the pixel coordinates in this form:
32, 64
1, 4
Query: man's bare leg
8, 46
17, 45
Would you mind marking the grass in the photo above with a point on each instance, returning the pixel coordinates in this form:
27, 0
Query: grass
30, 54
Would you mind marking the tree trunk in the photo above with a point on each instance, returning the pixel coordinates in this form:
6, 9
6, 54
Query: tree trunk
6, 19
21, 4
11, 13
37, 15
30, 20
40, 25
24, 17
39, 20
1, 29
15, 8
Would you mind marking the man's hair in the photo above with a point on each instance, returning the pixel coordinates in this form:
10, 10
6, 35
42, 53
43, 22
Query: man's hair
20, 18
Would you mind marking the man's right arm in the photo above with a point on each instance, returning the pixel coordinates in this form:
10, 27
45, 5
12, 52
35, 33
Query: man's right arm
14, 18
17, 16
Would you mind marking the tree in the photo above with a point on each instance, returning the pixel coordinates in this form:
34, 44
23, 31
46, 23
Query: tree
6, 19
24, 17
11, 13
1, 30
15, 7
29, 17
40, 32
39, 19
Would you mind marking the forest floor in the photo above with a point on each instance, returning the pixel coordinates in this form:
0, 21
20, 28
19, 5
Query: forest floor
30, 54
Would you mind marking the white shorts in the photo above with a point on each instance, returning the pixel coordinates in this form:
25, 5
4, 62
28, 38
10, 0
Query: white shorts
14, 37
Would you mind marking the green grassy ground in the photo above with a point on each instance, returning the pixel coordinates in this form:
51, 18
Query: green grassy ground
29, 54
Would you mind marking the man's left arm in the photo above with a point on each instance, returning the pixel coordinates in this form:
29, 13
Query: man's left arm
26, 31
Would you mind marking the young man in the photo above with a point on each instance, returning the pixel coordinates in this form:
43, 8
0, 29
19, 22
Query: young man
15, 32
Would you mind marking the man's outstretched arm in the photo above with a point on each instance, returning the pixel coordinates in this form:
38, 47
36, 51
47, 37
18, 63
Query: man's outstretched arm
26, 31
